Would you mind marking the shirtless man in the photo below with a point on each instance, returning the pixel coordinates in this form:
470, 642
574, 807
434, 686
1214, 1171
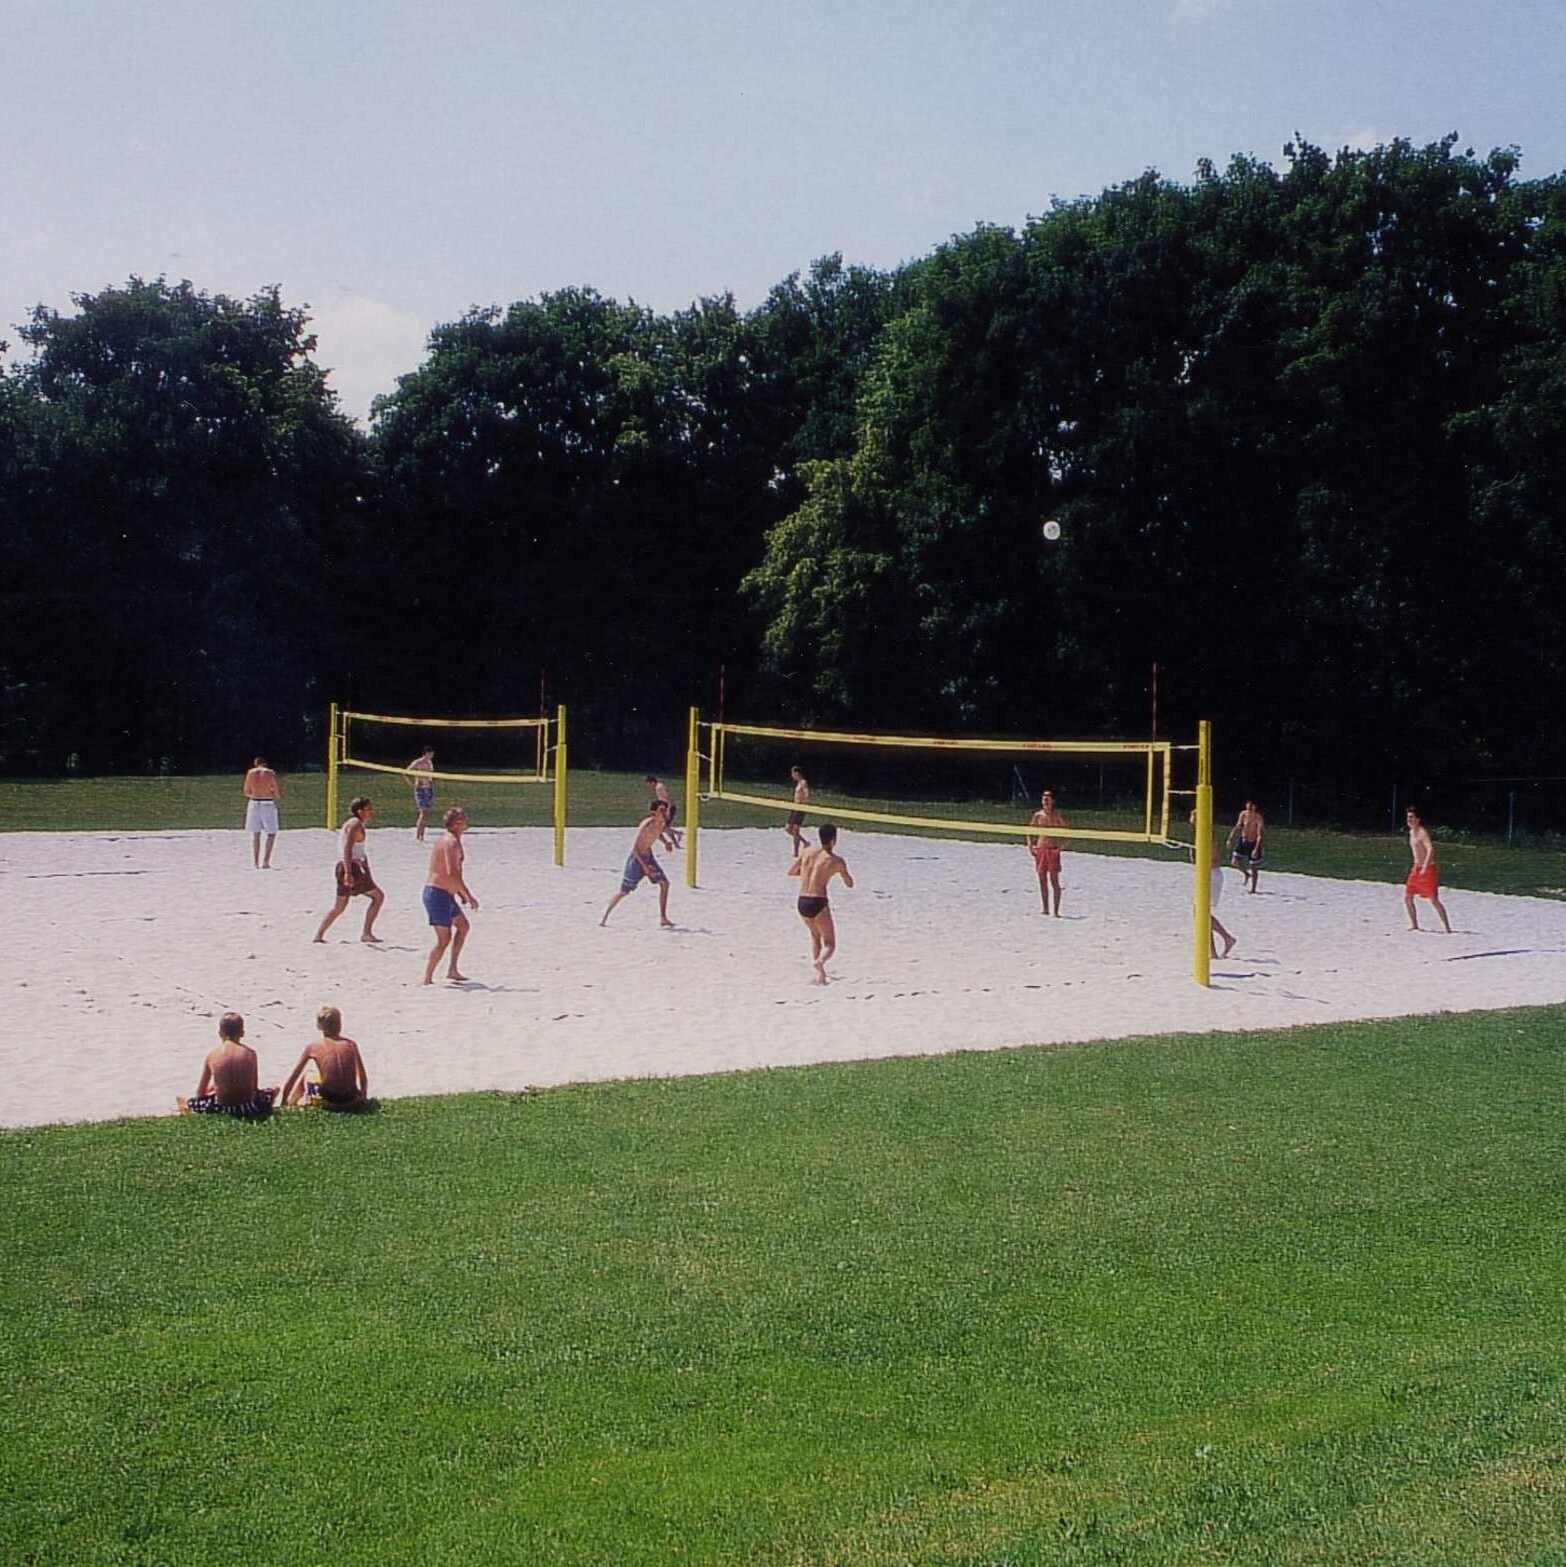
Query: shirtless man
660, 792
796, 817
1246, 836
444, 889
228, 1078
262, 792
1424, 880
353, 871
815, 868
419, 776
1046, 850
640, 863
343, 1083
1215, 896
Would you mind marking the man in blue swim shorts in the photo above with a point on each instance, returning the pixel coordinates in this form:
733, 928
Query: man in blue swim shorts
641, 866
420, 774
1246, 836
444, 890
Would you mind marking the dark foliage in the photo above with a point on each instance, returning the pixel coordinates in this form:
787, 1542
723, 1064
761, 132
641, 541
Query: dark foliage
1302, 427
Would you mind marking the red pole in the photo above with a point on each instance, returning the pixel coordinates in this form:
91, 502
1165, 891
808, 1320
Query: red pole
1155, 699
541, 708
722, 672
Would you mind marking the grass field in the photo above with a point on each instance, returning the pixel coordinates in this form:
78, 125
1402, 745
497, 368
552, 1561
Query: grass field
1277, 1298
1478, 864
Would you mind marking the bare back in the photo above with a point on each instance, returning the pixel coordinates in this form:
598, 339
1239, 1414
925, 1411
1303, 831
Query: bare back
233, 1070
817, 867
340, 1065
261, 784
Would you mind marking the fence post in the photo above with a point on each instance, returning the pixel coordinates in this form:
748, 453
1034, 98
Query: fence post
693, 793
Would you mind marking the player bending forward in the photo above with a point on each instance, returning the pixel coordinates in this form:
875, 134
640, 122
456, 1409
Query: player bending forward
640, 864
1424, 880
815, 868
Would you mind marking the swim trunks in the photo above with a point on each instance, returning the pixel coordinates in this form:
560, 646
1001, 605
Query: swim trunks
636, 868
441, 906
251, 1109
316, 1094
796, 818
424, 796
261, 816
1047, 857
1424, 883
363, 882
1246, 849
1216, 884
810, 907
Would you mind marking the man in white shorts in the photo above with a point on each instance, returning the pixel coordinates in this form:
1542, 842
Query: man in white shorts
262, 792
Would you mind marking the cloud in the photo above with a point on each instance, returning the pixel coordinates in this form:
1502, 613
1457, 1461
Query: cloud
366, 345
1358, 138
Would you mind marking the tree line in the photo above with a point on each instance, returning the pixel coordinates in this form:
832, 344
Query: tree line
1303, 428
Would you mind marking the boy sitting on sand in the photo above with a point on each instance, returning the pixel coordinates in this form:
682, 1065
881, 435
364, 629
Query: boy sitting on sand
343, 1084
228, 1078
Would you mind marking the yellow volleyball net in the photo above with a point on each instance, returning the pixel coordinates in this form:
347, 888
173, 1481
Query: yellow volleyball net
1113, 792
496, 753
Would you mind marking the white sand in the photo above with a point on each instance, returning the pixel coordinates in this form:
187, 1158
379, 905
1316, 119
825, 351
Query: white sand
126, 947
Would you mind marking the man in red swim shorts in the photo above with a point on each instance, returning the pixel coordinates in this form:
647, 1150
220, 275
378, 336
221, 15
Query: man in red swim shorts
1424, 880
1046, 850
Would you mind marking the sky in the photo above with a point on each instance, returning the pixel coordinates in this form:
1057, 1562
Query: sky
392, 165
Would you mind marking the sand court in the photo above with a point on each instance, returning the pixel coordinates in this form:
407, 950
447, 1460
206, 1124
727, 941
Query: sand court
128, 946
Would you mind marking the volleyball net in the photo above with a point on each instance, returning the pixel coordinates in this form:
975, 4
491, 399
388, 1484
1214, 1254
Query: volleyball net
491, 754
1109, 792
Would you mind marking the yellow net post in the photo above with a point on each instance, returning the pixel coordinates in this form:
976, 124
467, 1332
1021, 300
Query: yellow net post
560, 783
693, 794
331, 768
1204, 854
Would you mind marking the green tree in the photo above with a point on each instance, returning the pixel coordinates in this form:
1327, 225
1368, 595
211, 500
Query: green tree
198, 520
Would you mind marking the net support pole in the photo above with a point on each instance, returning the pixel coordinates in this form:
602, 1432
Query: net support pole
331, 767
692, 795
1204, 854
560, 783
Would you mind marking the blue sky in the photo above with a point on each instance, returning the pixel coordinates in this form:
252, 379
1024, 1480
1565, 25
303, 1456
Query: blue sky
392, 164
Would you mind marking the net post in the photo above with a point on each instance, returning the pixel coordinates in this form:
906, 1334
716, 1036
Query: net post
331, 767
1204, 854
560, 783
1148, 811
692, 795
1168, 785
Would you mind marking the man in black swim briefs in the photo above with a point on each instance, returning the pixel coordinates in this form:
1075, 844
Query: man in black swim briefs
815, 868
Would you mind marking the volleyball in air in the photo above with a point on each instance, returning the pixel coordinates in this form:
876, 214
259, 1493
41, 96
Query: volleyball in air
1052, 530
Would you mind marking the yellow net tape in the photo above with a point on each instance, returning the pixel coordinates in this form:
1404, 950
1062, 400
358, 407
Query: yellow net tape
491, 778
938, 743
999, 829
452, 723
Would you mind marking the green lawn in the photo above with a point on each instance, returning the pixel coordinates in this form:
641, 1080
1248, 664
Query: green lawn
1286, 1298
1479, 864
